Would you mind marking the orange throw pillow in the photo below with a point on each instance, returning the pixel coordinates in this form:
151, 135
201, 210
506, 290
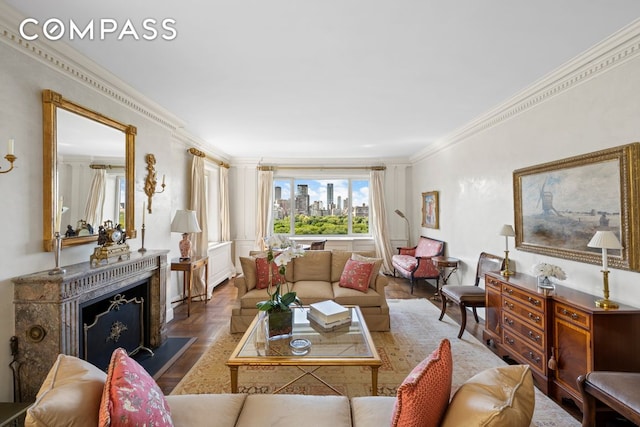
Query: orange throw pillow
262, 274
423, 396
131, 397
356, 275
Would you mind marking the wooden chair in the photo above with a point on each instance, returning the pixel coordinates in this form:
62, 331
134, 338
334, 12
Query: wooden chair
317, 246
470, 295
617, 390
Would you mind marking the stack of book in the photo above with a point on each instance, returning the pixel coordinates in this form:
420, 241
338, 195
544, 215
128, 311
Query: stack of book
329, 315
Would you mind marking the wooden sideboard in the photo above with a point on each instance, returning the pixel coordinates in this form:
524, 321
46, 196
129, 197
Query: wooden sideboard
561, 334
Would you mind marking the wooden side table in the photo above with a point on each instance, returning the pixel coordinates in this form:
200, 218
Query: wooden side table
443, 263
188, 267
10, 412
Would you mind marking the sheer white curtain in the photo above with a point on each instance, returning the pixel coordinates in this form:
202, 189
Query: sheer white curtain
200, 243
263, 219
379, 227
95, 201
225, 227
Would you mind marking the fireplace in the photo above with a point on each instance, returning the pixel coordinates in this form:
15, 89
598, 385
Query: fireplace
51, 312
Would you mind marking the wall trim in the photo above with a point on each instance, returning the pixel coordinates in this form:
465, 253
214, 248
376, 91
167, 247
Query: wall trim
615, 50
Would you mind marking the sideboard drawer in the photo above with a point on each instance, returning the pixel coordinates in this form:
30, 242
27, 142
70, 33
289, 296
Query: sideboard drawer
533, 301
534, 336
573, 315
525, 312
524, 352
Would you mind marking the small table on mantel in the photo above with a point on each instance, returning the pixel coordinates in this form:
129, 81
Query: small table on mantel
443, 263
188, 267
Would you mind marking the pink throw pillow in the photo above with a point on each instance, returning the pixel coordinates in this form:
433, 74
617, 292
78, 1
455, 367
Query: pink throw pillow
356, 275
262, 274
423, 396
131, 397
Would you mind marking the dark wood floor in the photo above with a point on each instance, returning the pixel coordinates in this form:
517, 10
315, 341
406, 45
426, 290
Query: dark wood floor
207, 320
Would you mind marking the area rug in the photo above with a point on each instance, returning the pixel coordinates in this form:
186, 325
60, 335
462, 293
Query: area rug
415, 333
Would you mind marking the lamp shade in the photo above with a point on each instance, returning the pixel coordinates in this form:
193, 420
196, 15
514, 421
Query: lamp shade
507, 230
400, 213
185, 222
604, 240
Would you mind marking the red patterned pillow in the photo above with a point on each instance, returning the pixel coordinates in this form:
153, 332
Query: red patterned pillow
131, 397
262, 273
356, 275
423, 396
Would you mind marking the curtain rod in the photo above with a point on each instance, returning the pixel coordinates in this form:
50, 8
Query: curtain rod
98, 166
199, 153
273, 168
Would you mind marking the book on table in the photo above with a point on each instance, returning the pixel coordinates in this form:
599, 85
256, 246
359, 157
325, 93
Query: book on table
327, 327
327, 312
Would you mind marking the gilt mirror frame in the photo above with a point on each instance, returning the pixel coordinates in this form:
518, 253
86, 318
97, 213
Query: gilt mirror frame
51, 101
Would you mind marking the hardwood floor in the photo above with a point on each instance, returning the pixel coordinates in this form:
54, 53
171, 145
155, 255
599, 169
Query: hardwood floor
207, 320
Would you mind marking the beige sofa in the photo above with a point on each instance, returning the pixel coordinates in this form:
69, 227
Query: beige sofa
314, 277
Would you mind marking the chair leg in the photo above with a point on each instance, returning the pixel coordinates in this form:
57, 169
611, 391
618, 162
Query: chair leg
475, 314
463, 320
588, 404
444, 307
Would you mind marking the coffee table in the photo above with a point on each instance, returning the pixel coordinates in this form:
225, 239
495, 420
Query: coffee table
349, 345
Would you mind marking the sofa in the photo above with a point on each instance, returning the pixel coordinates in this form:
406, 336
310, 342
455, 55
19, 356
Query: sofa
415, 263
315, 277
79, 394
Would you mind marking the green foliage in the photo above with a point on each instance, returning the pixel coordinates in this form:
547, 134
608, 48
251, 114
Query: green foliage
322, 225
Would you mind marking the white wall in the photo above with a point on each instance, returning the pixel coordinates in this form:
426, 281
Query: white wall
474, 176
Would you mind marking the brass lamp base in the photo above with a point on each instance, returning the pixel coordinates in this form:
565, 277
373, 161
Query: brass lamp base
506, 272
606, 303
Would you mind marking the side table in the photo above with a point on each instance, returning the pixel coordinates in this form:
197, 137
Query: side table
10, 412
188, 267
443, 264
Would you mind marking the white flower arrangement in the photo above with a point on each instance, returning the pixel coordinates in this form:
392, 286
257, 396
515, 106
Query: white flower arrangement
549, 270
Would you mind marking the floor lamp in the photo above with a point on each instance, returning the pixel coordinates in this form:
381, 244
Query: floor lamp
402, 215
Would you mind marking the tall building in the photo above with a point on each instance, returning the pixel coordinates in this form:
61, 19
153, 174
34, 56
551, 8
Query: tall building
302, 199
339, 203
278, 194
329, 196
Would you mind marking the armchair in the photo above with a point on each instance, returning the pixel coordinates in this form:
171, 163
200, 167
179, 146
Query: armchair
415, 263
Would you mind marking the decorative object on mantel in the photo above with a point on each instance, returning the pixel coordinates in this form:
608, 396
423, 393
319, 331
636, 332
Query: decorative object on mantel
151, 182
143, 228
506, 231
10, 157
57, 245
112, 241
185, 222
605, 240
544, 271
279, 316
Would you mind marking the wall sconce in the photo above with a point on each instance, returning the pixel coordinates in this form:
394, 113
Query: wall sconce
10, 157
506, 231
151, 182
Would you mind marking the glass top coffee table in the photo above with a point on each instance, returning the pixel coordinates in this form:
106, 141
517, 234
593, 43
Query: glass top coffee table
348, 345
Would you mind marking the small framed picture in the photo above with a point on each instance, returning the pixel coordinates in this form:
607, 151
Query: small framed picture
430, 215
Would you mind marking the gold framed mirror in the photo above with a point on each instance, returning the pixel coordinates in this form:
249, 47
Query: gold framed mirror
101, 144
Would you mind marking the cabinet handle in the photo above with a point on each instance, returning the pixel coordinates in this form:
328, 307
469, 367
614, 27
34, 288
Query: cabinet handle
534, 336
508, 321
534, 317
508, 305
508, 290
566, 312
509, 341
533, 357
534, 301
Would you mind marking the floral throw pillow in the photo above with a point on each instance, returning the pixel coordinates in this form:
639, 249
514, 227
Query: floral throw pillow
423, 397
262, 273
131, 397
356, 275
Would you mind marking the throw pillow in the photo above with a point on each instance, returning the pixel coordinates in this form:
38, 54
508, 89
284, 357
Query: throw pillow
356, 275
422, 398
131, 397
262, 273
377, 263
248, 265
69, 395
502, 396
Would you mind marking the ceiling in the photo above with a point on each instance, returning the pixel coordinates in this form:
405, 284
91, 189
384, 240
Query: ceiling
335, 78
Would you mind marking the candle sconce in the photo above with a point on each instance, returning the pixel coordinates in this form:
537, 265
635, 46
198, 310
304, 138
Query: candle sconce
151, 182
10, 157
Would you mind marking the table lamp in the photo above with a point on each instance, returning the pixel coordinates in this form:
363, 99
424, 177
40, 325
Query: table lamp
605, 240
185, 222
506, 231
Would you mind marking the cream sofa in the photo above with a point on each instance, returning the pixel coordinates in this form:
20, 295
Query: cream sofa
314, 277
72, 392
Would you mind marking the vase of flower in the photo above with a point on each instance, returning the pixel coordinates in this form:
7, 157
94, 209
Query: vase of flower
279, 316
545, 282
544, 272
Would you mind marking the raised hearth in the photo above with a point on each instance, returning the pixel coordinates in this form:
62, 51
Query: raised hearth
48, 309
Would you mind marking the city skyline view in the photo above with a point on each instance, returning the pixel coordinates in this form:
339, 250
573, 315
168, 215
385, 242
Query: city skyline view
317, 190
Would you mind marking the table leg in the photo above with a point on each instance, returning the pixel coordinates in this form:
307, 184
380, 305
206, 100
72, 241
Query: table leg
234, 378
188, 278
206, 283
374, 381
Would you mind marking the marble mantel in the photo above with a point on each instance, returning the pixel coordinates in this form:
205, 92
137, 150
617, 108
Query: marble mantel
47, 309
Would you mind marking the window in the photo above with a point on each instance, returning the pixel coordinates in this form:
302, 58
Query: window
321, 206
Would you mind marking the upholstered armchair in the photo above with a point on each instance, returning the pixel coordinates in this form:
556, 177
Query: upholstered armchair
415, 263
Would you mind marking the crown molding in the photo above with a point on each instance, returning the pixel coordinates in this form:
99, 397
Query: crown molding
614, 51
69, 62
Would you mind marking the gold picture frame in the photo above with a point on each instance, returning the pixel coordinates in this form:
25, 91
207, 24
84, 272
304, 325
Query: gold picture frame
430, 210
561, 204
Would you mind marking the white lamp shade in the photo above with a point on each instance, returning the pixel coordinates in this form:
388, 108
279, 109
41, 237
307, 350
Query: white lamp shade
185, 222
507, 230
604, 240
